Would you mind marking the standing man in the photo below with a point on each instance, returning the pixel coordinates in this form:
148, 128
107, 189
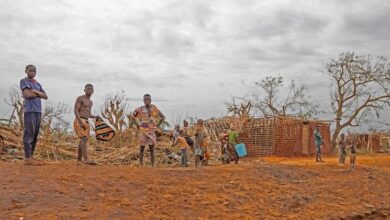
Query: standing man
147, 118
33, 92
319, 142
82, 111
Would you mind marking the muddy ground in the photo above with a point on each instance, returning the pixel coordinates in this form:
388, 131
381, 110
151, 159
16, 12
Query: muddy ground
263, 188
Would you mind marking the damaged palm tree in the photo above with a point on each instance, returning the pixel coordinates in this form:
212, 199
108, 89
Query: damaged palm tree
239, 111
114, 110
360, 89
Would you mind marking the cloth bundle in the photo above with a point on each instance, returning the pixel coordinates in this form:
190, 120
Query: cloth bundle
103, 131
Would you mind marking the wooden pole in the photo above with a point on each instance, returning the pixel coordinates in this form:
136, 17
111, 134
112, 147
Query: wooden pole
12, 115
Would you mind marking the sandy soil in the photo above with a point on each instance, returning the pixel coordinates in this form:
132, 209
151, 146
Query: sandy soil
262, 188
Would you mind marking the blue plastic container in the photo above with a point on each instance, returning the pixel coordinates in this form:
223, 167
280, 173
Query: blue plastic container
241, 150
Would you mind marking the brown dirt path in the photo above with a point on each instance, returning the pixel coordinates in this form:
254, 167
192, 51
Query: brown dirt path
268, 188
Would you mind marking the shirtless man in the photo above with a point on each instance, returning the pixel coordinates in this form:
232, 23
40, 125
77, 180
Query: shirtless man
82, 111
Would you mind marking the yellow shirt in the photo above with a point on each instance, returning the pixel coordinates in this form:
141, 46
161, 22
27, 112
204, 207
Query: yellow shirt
182, 143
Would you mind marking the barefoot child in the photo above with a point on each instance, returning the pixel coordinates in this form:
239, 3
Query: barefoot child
223, 139
342, 152
175, 134
188, 135
200, 136
353, 154
183, 148
233, 140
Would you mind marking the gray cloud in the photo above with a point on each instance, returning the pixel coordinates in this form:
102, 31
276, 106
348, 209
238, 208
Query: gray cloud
190, 55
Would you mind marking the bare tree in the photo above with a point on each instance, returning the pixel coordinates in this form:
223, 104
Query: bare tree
114, 110
360, 88
296, 102
53, 121
15, 100
241, 110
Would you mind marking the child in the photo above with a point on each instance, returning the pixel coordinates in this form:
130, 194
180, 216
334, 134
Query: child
183, 148
233, 139
342, 152
223, 138
175, 134
353, 154
33, 93
188, 134
200, 136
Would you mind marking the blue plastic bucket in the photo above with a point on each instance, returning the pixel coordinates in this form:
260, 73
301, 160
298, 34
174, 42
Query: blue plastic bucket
241, 150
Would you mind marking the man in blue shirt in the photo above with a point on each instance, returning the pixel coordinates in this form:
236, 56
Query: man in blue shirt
319, 142
33, 92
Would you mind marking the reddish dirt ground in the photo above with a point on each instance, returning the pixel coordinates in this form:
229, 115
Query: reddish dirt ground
264, 188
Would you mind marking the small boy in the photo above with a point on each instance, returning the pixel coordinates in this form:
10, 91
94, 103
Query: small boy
342, 152
175, 134
233, 140
353, 154
188, 135
183, 148
223, 138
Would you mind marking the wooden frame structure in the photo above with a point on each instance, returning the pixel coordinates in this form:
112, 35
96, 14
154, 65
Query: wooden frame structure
281, 136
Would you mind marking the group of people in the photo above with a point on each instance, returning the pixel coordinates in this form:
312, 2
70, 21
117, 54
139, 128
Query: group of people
343, 144
228, 140
198, 148
33, 92
147, 119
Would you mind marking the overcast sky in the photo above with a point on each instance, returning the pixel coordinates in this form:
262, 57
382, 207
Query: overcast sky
191, 56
